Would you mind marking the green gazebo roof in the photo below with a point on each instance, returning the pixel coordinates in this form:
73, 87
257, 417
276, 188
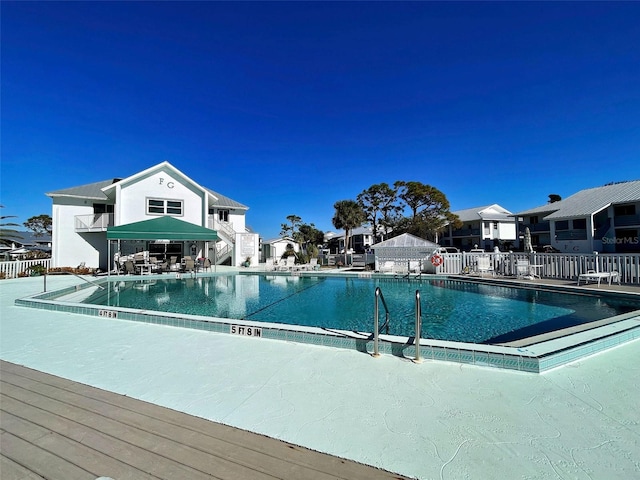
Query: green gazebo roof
161, 228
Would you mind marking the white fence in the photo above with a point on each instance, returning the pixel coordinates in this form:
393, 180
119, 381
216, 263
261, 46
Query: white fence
550, 265
14, 268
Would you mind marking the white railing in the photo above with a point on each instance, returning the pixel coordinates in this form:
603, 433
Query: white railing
225, 228
14, 268
222, 250
559, 266
97, 222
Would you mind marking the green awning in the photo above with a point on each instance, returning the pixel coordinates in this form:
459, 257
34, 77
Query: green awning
161, 228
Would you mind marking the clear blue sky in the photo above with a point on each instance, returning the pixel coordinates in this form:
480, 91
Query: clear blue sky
290, 107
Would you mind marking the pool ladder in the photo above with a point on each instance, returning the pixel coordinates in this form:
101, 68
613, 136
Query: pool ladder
377, 328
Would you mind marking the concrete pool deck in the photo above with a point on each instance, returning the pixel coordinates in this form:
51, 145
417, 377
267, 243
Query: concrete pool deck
431, 420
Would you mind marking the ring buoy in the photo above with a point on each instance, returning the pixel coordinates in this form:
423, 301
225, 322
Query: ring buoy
436, 260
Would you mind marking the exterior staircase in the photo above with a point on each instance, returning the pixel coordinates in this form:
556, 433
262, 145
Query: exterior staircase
224, 246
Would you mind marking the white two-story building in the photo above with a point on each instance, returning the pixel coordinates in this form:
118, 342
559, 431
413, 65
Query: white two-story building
482, 227
603, 219
82, 216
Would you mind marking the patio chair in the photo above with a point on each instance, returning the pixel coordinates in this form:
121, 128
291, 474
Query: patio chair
155, 265
483, 265
189, 265
522, 268
129, 267
206, 264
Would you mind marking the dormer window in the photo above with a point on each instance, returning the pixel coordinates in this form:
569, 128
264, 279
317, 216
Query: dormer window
158, 206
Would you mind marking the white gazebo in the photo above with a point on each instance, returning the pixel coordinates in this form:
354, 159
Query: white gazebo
405, 249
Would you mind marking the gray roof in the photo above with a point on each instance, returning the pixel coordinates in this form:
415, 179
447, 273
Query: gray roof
405, 240
223, 201
94, 192
27, 239
480, 213
91, 190
279, 239
355, 231
589, 201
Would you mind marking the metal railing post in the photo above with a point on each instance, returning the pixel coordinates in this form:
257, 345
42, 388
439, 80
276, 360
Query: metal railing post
376, 320
376, 323
417, 358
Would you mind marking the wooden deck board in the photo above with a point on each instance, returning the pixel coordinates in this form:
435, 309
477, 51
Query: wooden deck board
56, 428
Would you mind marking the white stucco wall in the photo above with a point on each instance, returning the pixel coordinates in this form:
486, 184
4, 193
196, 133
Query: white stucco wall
277, 248
69, 248
131, 200
506, 231
246, 245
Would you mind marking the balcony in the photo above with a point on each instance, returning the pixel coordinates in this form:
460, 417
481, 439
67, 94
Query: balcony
571, 234
626, 220
536, 227
467, 232
97, 222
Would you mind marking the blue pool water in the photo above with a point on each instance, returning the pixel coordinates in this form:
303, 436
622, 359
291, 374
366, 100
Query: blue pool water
451, 310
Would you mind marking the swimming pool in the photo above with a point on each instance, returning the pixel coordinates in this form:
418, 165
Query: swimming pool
284, 306
452, 310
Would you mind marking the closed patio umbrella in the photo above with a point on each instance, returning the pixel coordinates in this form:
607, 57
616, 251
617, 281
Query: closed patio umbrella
528, 248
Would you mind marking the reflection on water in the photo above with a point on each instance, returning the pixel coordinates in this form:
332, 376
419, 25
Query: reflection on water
451, 310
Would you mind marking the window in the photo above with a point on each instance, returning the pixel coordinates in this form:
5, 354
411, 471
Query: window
223, 215
562, 225
622, 210
102, 208
580, 224
156, 206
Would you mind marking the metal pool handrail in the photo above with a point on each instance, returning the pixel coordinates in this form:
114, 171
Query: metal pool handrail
417, 358
376, 322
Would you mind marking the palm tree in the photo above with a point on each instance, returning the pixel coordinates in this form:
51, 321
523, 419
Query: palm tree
349, 215
8, 236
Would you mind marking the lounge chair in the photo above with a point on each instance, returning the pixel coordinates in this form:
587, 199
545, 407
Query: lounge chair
593, 276
288, 265
387, 266
309, 266
291, 263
